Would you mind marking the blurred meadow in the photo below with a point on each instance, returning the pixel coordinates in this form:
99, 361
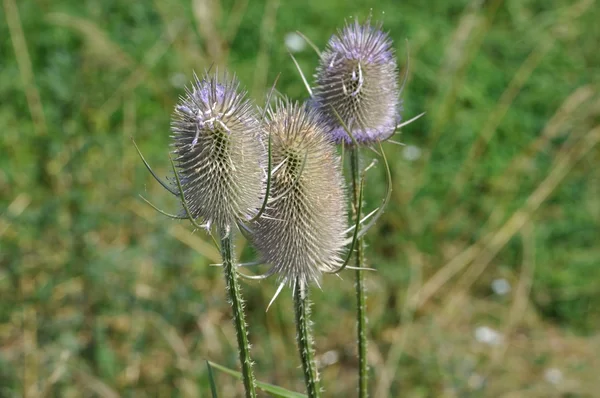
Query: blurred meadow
487, 258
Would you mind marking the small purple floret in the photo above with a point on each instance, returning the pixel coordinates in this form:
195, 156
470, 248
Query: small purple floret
357, 79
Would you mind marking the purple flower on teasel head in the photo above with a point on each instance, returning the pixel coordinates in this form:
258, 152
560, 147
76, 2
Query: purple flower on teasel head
219, 151
357, 76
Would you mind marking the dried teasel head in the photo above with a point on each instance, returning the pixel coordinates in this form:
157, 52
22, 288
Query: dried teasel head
356, 81
302, 232
219, 149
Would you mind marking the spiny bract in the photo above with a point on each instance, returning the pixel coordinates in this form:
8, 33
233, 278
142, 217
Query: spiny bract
219, 149
357, 76
302, 231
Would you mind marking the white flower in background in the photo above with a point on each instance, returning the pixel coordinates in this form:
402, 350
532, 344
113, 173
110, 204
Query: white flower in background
476, 381
178, 80
487, 335
553, 376
501, 286
329, 358
294, 42
411, 153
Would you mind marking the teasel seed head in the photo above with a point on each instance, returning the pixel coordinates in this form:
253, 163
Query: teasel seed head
357, 77
302, 232
219, 151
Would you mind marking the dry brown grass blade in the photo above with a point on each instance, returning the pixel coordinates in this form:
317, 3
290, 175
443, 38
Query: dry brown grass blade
491, 126
185, 382
464, 45
58, 371
572, 108
522, 162
551, 130
105, 49
507, 98
521, 296
19, 43
559, 120
267, 28
483, 252
92, 383
514, 88
561, 167
447, 272
172, 338
14, 209
235, 19
187, 45
128, 163
206, 12
566, 113
31, 360
390, 367
467, 40
97, 41
140, 73
204, 248
30, 371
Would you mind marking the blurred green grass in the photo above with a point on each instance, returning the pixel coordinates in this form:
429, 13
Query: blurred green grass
101, 296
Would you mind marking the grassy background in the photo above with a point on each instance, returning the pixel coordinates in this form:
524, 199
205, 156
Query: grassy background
101, 296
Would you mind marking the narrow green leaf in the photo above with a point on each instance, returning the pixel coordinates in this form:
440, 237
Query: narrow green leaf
269, 388
211, 379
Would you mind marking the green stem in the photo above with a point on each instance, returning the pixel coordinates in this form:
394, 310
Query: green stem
235, 298
305, 340
361, 296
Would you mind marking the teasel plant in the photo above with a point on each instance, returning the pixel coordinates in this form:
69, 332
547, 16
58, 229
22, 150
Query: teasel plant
221, 166
287, 197
357, 93
304, 231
